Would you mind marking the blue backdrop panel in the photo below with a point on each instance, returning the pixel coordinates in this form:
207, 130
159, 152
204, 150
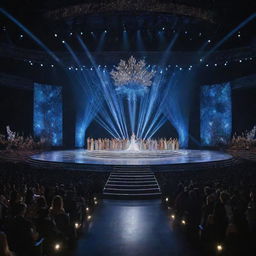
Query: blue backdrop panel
215, 114
48, 113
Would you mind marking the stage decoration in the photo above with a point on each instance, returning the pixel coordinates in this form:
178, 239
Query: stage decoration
245, 141
10, 134
216, 114
132, 72
48, 113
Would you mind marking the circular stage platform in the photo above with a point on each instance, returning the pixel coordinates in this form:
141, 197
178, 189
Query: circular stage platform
79, 159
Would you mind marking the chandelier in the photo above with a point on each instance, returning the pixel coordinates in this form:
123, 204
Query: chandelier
132, 72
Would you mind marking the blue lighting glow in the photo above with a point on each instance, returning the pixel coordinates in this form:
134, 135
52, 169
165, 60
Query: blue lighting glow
48, 113
215, 114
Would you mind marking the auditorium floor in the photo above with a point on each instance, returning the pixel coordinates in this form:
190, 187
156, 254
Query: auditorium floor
131, 228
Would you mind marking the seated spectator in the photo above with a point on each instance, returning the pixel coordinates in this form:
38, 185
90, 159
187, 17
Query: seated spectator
4, 247
61, 218
22, 234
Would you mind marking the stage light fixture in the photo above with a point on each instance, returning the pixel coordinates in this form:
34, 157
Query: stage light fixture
87, 209
173, 216
183, 222
89, 217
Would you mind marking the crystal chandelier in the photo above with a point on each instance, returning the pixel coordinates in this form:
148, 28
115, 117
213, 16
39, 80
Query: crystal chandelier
132, 72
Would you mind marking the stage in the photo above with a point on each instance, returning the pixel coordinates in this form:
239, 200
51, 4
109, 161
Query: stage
79, 159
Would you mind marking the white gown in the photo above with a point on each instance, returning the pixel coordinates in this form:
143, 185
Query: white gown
133, 145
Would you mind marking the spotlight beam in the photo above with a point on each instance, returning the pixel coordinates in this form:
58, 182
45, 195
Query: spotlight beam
27, 31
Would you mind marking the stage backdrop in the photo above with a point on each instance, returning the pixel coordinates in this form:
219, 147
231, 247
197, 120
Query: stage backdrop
215, 114
48, 113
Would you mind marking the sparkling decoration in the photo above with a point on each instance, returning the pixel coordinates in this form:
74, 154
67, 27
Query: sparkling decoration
132, 72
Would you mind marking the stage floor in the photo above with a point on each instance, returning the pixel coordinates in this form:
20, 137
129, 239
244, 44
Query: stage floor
164, 157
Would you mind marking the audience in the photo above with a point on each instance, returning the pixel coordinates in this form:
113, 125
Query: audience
217, 204
41, 207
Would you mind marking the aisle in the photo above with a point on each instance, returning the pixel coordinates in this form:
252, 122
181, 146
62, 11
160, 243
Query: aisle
130, 228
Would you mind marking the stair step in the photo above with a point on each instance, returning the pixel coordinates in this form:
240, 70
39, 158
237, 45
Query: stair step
140, 194
130, 176
135, 185
131, 189
132, 182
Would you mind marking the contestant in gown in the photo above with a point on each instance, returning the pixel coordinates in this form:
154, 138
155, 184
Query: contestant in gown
133, 145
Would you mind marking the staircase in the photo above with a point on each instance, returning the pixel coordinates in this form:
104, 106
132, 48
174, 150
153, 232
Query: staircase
126, 182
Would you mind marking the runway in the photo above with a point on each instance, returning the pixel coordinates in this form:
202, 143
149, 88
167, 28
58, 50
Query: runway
124, 158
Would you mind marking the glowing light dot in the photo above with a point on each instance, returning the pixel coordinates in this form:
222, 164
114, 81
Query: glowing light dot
209, 41
166, 199
41, 65
81, 33
87, 209
63, 41
219, 248
183, 222
55, 35
21, 36
52, 65
215, 64
57, 247
89, 217
173, 216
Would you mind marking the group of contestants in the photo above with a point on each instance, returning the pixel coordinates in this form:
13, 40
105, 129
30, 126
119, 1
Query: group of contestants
123, 144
